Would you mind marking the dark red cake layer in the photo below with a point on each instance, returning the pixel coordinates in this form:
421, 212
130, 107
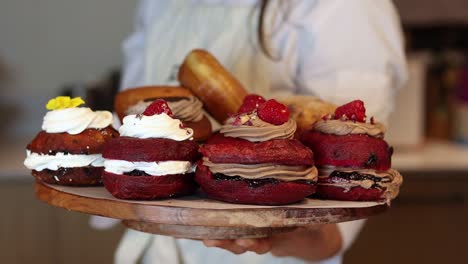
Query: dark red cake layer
244, 191
83, 176
90, 141
148, 187
354, 194
359, 151
220, 149
150, 149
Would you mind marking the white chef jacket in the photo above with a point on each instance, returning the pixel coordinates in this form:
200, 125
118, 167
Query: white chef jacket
338, 50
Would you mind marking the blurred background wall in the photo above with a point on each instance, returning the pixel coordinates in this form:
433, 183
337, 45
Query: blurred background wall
52, 47
46, 48
47, 44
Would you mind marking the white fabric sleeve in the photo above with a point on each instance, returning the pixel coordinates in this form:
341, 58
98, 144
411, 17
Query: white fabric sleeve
134, 47
349, 231
132, 247
350, 50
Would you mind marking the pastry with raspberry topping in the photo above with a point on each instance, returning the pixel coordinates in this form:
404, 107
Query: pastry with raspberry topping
255, 160
353, 159
154, 157
184, 105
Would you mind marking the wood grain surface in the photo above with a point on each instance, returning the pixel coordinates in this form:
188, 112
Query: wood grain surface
198, 217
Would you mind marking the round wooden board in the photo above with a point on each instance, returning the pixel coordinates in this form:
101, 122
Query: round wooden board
198, 217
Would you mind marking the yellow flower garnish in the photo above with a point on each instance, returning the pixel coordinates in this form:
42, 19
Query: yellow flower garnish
62, 102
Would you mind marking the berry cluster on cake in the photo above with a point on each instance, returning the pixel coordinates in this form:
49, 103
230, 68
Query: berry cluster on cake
353, 159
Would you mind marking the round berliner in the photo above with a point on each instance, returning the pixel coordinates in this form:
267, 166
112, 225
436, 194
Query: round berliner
221, 93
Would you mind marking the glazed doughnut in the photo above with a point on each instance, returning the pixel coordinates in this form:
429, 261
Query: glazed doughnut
220, 92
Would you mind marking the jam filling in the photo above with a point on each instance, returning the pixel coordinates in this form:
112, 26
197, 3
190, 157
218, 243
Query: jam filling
54, 152
357, 176
254, 183
136, 173
89, 170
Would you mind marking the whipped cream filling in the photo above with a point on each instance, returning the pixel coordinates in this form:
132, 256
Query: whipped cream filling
342, 128
263, 171
152, 168
155, 126
186, 109
75, 120
252, 128
391, 180
39, 162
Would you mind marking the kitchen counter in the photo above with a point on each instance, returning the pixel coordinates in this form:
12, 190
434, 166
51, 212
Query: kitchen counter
433, 156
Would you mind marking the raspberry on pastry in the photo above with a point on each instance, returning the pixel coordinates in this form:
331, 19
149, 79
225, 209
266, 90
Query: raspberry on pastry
273, 112
251, 102
158, 107
354, 110
255, 160
181, 103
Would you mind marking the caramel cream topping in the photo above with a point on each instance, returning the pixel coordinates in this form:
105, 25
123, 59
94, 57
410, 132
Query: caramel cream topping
391, 180
263, 171
190, 109
342, 128
186, 109
252, 128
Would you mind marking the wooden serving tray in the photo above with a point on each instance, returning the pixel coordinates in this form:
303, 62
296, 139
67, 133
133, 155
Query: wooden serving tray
198, 217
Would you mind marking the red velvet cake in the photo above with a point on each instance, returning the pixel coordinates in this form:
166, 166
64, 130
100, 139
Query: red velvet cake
254, 159
68, 150
353, 159
154, 157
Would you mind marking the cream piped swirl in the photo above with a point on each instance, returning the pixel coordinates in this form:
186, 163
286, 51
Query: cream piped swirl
186, 109
155, 126
250, 127
264, 171
75, 120
39, 162
160, 168
342, 128
190, 109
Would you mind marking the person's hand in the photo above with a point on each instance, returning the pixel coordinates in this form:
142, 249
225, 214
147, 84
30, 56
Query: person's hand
311, 243
239, 246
